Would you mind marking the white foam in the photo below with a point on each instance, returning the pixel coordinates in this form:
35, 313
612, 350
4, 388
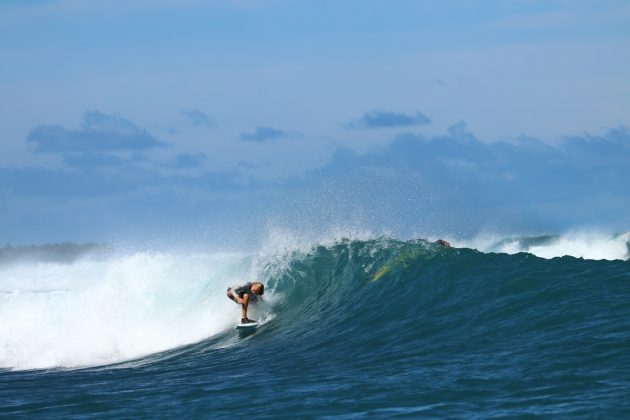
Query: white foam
99, 312
591, 245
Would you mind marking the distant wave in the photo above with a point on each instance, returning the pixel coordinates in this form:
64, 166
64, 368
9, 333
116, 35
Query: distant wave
587, 245
65, 252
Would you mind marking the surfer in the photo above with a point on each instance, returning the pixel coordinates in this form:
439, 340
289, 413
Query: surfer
443, 243
245, 294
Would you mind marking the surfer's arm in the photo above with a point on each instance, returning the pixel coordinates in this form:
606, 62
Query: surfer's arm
234, 297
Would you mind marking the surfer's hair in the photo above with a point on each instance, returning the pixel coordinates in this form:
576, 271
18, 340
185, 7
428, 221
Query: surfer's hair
262, 288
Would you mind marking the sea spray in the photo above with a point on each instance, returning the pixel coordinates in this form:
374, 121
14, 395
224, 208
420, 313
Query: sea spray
92, 312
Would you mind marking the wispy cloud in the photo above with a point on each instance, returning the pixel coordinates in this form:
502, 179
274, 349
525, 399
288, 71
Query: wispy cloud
540, 20
263, 134
187, 160
197, 117
439, 82
103, 183
387, 119
96, 160
98, 132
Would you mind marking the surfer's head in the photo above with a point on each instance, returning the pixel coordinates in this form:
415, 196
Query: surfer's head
258, 288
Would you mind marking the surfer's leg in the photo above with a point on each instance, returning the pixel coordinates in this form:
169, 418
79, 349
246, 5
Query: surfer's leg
245, 303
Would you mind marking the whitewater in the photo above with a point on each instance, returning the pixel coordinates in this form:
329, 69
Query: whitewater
374, 325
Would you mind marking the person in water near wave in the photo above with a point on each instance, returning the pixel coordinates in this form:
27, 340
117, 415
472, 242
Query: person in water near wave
245, 294
443, 243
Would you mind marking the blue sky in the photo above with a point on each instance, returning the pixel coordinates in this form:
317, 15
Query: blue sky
413, 117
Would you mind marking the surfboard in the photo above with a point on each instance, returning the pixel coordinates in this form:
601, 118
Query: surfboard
248, 326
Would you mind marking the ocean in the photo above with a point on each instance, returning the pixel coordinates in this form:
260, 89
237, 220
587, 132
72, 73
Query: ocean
351, 328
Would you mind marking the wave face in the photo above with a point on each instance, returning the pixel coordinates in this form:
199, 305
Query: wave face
375, 328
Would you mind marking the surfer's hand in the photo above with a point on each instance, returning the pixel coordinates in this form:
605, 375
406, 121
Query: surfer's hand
239, 300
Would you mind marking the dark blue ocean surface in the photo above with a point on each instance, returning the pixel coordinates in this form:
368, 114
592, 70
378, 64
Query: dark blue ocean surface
376, 328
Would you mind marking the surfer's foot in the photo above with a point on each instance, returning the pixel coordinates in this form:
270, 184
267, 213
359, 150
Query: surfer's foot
246, 321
